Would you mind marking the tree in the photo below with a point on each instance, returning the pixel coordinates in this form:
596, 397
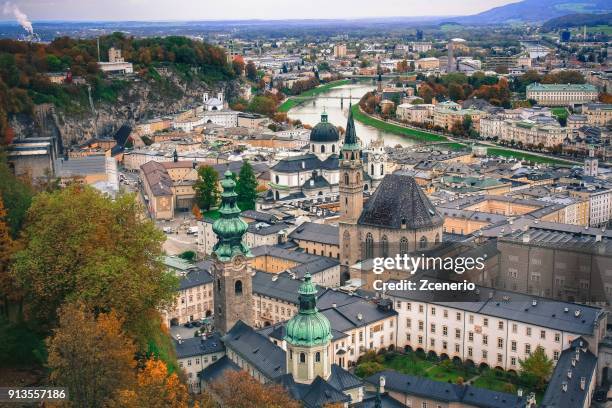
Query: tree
7, 247
207, 188
455, 92
155, 388
238, 65
237, 389
17, 197
81, 245
246, 187
251, 71
537, 366
263, 105
90, 355
426, 93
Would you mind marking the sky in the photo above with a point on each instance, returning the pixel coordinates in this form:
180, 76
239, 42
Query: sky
156, 10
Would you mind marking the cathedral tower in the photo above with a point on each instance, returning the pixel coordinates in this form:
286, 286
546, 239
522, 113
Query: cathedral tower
351, 175
308, 336
233, 296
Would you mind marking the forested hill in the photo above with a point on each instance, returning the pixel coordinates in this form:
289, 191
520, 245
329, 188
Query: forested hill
578, 20
24, 67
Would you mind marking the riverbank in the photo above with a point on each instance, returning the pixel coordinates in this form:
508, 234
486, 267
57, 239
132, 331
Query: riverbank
432, 138
291, 102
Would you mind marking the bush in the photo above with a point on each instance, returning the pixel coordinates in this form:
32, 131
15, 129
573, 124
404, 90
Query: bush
368, 369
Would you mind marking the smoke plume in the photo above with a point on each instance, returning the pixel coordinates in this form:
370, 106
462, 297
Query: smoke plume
10, 8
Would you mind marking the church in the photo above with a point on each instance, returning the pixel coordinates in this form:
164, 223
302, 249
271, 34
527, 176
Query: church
304, 364
314, 175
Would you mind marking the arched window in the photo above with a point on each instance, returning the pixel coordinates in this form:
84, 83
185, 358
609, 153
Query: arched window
369, 246
302, 357
333, 148
423, 242
322, 148
277, 179
437, 237
290, 354
384, 246
238, 287
346, 178
403, 245
382, 169
372, 169
318, 357
313, 147
358, 178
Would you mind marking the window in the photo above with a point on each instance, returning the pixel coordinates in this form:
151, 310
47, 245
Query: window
500, 325
457, 333
420, 340
456, 348
513, 345
513, 361
557, 337
528, 331
403, 245
484, 354
485, 322
423, 243
499, 358
433, 311
444, 345
471, 319
470, 336
369, 246
433, 328
302, 357
500, 342
458, 316
238, 287
527, 348
318, 357
385, 246
346, 178
485, 339
445, 314
543, 334
421, 325
408, 323
420, 308
470, 351
555, 355
408, 306
514, 328
432, 342
445, 330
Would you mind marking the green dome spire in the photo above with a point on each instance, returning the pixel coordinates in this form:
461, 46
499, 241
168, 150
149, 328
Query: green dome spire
229, 227
308, 327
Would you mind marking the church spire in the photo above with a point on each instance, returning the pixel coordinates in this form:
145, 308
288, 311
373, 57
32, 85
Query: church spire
229, 227
350, 136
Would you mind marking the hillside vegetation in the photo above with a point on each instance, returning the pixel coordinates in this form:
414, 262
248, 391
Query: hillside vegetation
23, 69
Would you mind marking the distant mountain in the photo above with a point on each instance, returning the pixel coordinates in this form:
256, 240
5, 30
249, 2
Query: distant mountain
577, 20
536, 11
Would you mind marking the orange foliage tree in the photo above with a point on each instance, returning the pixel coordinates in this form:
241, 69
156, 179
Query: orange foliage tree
238, 389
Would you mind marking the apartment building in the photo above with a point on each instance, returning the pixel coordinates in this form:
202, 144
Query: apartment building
562, 94
491, 327
194, 354
597, 114
529, 132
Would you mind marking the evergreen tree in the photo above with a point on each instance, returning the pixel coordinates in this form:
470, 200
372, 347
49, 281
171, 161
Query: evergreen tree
246, 188
207, 188
537, 367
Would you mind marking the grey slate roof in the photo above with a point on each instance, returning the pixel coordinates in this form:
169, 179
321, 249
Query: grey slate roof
259, 216
306, 262
574, 396
278, 286
262, 228
216, 370
256, 349
320, 233
196, 277
349, 311
197, 346
303, 163
399, 200
445, 392
512, 306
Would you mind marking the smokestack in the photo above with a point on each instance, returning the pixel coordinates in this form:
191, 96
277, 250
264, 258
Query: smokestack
22, 18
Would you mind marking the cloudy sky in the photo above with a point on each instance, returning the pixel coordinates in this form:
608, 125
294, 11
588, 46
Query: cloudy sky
241, 9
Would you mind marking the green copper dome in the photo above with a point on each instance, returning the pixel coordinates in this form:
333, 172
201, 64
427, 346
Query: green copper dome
309, 327
229, 227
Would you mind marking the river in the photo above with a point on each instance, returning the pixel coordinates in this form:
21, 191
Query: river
310, 111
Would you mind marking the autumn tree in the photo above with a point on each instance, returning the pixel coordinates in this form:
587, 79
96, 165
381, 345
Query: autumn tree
538, 367
246, 187
237, 389
155, 388
7, 246
264, 105
251, 71
238, 65
207, 188
81, 245
90, 355
426, 93
17, 197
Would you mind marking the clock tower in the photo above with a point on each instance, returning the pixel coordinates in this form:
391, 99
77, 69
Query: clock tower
233, 288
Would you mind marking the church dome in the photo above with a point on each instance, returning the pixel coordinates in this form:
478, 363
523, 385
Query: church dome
324, 132
308, 327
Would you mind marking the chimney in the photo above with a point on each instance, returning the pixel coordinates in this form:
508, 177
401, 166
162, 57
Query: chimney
582, 383
569, 373
564, 386
573, 362
381, 384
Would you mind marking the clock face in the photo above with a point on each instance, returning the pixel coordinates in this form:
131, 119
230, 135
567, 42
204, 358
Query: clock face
239, 261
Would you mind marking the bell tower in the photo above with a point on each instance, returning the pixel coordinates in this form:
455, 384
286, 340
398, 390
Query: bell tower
351, 175
233, 288
308, 338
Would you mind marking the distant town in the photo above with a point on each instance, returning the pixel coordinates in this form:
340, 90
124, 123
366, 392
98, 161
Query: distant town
234, 188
